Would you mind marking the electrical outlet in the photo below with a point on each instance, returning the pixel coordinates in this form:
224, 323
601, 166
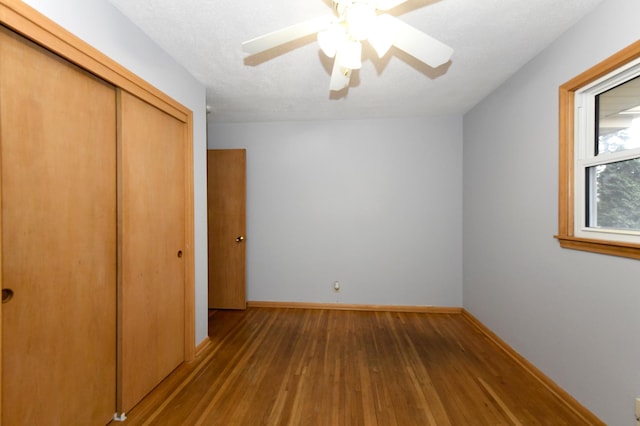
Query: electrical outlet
336, 286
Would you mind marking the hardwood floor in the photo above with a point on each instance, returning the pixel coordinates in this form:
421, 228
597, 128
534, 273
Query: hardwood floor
327, 367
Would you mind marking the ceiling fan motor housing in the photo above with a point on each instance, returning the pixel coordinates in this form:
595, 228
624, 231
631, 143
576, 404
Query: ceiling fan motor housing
358, 17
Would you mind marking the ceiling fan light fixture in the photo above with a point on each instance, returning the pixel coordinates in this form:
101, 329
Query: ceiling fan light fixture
340, 78
331, 38
360, 18
349, 55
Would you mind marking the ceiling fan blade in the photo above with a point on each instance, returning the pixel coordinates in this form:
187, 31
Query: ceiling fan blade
340, 77
416, 43
287, 34
388, 4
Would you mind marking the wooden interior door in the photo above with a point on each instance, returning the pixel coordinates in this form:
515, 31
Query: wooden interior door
152, 235
58, 170
226, 199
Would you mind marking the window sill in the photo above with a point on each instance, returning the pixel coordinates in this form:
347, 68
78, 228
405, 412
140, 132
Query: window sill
612, 248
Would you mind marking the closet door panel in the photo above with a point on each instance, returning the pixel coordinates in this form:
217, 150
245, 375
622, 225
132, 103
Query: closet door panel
58, 179
152, 237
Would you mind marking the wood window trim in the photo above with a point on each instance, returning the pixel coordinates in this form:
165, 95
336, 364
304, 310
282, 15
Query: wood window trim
566, 190
31, 24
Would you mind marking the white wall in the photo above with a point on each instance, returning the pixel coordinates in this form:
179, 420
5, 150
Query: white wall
575, 315
374, 204
98, 23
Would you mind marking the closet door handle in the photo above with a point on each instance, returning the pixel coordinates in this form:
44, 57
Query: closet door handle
179, 253
7, 295
240, 239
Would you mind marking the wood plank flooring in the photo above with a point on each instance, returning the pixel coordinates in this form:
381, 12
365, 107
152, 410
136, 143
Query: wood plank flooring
269, 366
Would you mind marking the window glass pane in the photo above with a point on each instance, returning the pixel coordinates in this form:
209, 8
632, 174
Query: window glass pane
618, 126
614, 203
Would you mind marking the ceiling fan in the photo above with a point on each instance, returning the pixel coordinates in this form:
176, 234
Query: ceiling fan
340, 36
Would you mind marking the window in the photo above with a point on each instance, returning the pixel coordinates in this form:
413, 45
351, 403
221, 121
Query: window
599, 193
607, 156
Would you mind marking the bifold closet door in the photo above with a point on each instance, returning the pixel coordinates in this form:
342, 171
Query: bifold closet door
58, 181
152, 235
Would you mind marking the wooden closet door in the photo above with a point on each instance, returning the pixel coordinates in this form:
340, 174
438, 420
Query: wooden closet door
58, 180
152, 232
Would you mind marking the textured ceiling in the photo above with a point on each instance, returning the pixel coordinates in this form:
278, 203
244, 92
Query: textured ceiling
491, 40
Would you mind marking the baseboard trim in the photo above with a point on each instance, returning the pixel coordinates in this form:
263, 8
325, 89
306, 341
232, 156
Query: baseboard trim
562, 395
345, 307
202, 346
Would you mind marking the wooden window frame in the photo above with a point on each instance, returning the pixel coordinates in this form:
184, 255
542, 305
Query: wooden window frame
566, 191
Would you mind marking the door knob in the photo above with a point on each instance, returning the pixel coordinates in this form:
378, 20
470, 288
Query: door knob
179, 253
240, 239
7, 295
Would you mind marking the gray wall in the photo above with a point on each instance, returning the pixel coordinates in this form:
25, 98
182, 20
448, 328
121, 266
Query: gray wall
575, 315
98, 23
374, 204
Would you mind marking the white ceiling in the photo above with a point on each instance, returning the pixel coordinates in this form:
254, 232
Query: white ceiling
491, 40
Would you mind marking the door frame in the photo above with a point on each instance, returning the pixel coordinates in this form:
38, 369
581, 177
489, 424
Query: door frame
28, 22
